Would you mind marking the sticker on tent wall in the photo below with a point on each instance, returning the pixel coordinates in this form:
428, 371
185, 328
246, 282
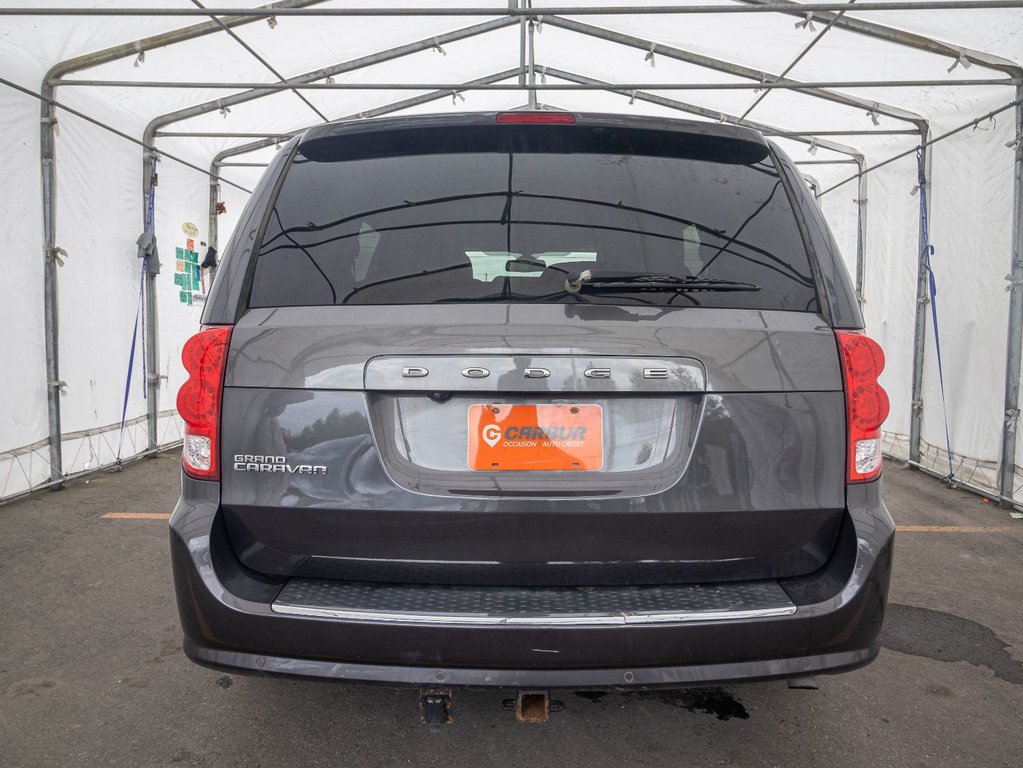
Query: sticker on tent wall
190, 229
188, 276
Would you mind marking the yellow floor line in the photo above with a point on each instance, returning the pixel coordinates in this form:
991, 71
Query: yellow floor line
135, 516
954, 528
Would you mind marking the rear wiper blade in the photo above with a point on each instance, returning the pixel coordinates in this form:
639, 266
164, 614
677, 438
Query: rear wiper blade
577, 282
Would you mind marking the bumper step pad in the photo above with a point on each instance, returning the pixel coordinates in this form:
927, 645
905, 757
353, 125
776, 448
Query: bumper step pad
504, 606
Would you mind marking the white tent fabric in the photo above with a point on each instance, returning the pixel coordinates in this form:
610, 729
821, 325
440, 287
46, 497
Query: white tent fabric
100, 210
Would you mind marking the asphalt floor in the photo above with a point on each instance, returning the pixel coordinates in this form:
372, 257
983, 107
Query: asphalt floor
92, 674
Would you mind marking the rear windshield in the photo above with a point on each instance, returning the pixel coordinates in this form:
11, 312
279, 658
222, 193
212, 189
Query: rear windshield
513, 221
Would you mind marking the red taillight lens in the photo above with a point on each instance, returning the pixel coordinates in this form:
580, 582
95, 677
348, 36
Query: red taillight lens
204, 356
866, 403
548, 118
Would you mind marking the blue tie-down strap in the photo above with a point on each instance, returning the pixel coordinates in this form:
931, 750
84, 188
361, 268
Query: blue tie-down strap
138, 329
932, 288
131, 360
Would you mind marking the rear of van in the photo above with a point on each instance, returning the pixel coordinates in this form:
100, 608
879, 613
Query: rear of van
532, 399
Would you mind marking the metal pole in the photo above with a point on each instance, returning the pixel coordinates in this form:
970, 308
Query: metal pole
920, 325
152, 325
213, 234
861, 230
532, 64
846, 161
831, 132
522, 41
1014, 334
225, 135
818, 88
50, 307
611, 10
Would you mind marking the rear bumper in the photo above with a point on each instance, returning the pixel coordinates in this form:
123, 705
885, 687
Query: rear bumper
228, 623
573, 679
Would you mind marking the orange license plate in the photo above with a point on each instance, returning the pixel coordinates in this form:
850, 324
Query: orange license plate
535, 437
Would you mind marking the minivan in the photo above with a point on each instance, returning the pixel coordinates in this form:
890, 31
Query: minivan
532, 400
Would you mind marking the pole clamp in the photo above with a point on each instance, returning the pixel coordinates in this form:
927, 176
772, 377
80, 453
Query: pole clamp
918, 406
1011, 417
1014, 284
55, 253
58, 384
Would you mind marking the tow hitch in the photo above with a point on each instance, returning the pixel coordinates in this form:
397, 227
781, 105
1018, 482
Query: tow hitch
435, 709
533, 706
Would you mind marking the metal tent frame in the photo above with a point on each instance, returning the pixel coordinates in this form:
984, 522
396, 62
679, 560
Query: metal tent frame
223, 20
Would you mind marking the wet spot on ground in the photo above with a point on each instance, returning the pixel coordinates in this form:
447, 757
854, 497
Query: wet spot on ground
711, 701
945, 637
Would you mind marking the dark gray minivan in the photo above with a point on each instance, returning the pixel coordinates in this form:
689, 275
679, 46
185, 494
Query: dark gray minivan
532, 400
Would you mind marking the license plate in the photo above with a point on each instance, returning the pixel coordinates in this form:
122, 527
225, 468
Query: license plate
535, 437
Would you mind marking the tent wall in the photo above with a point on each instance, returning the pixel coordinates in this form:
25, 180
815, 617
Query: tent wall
23, 422
97, 223
971, 203
889, 285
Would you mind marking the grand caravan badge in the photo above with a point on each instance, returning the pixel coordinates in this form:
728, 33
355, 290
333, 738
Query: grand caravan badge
535, 437
244, 462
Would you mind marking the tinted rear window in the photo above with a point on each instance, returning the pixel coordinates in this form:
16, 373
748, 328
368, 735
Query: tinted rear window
504, 220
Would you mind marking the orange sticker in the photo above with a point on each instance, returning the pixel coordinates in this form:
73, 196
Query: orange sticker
535, 437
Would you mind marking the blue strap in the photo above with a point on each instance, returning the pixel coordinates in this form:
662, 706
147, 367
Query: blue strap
131, 362
925, 262
137, 325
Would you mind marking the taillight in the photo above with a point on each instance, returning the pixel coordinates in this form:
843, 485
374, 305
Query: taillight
204, 356
866, 403
536, 118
